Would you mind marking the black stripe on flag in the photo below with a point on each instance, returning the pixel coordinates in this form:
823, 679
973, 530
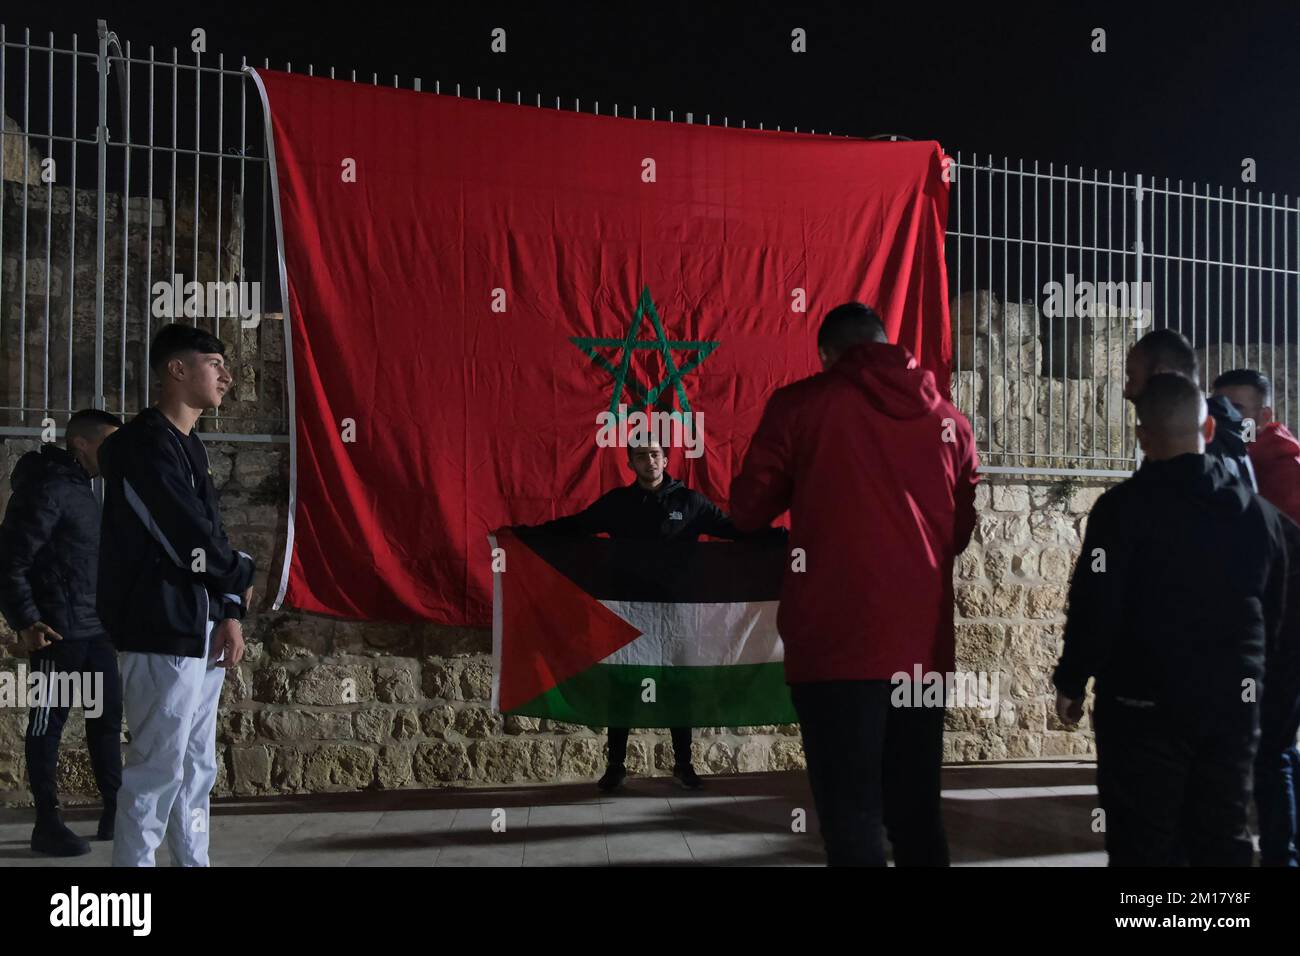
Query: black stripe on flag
685, 572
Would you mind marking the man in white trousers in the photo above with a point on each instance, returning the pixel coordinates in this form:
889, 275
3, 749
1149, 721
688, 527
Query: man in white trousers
172, 593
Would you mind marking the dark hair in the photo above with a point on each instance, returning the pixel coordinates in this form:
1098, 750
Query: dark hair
1169, 349
87, 423
1246, 376
1171, 405
848, 325
176, 339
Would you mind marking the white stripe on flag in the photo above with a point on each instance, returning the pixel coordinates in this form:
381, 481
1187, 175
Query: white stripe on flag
698, 635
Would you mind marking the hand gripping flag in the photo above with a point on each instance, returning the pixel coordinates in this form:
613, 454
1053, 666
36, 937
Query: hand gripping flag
627, 633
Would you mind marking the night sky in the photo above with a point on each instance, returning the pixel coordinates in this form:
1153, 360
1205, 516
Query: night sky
1182, 91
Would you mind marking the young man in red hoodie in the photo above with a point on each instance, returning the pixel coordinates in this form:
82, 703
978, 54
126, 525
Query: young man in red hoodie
1275, 457
878, 472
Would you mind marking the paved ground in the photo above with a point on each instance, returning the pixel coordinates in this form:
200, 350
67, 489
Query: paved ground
1028, 814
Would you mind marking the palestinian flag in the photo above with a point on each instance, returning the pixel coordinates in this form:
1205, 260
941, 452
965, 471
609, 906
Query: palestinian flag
626, 633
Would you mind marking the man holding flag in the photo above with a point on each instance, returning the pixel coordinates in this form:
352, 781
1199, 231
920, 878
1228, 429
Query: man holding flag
654, 507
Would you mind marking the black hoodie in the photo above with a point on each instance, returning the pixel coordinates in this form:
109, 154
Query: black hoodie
49, 546
1180, 585
166, 567
1229, 444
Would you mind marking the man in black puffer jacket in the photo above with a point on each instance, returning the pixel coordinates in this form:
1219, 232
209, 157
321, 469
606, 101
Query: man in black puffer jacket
49, 553
1181, 585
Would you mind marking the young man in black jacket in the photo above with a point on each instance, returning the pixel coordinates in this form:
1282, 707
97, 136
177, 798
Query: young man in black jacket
49, 553
1180, 586
655, 507
172, 593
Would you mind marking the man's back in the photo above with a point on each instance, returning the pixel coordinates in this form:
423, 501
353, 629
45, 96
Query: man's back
878, 472
1192, 578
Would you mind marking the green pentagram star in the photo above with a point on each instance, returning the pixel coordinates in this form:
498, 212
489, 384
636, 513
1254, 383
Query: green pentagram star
644, 399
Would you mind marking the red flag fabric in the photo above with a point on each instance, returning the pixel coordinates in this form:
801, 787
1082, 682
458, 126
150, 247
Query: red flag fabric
469, 284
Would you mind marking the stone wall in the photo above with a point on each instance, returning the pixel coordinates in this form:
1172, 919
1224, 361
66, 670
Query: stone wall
48, 276
422, 716
1050, 392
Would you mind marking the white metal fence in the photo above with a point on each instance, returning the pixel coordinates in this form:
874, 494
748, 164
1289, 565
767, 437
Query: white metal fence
126, 169
1054, 272
159, 171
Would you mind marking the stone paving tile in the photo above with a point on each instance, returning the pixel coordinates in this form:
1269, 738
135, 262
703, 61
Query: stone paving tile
324, 839
472, 841
566, 835
404, 838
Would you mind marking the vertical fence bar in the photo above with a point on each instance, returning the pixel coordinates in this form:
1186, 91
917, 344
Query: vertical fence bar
72, 215
1259, 280
1096, 274
1220, 286
1006, 302
243, 216
1138, 212
975, 303
961, 241
1051, 276
216, 242
1024, 381
49, 222
175, 152
4, 133
1286, 313
221, 122
1207, 269
1123, 266
1038, 297
101, 135
1080, 396
1166, 298
1180, 253
148, 242
1192, 324
126, 224
25, 139
1233, 271
988, 339
198, 141
267, 232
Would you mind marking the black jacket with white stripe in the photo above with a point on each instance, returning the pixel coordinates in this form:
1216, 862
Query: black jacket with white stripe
165, 565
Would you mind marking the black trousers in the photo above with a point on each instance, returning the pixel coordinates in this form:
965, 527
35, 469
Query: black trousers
872, 766
1175, 789
681, 746
103, 733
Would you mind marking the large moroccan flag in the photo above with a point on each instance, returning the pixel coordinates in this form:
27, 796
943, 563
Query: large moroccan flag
628, 633
469, 284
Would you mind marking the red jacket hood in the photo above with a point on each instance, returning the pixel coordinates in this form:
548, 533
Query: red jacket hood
892, 381
1274, 442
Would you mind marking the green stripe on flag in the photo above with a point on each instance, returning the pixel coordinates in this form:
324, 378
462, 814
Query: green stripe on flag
610, 695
